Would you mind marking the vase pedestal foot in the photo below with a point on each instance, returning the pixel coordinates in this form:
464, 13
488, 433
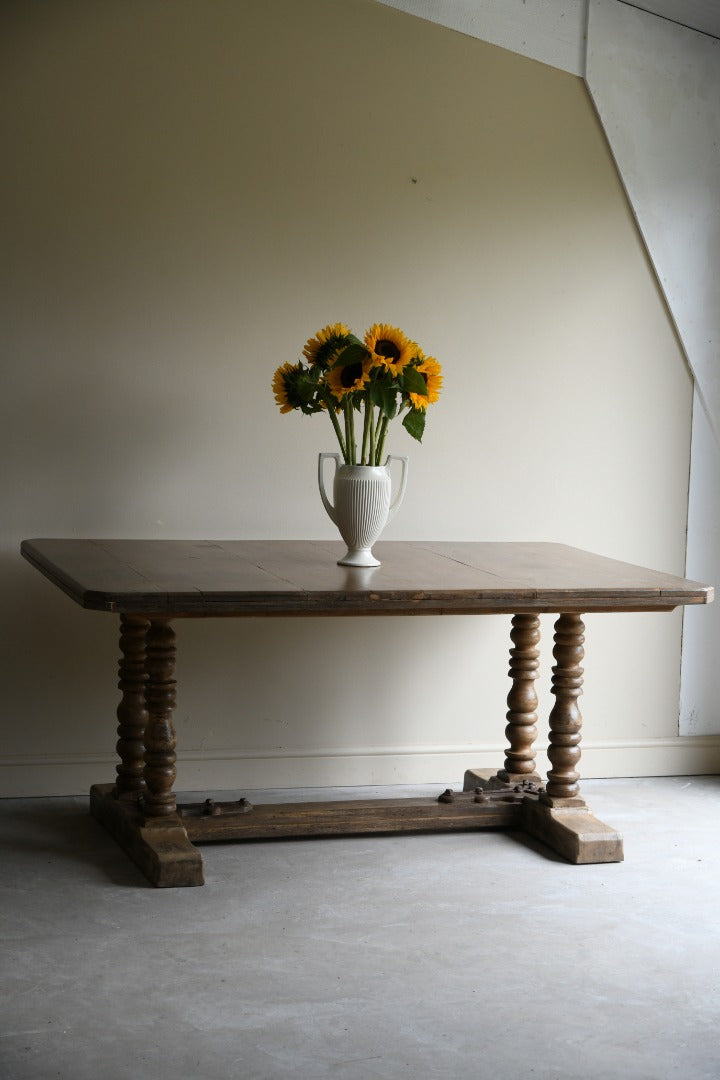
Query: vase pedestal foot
362, 557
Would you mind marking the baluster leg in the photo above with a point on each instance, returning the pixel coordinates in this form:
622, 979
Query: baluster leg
522, 701
131, 712
143, 819
159, 799
565, 717
521, 716
559, 816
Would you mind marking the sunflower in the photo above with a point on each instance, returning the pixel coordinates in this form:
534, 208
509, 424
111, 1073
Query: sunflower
344, 379
380, 378
295, 387
431, 372
321, 350
390, 348
282, 385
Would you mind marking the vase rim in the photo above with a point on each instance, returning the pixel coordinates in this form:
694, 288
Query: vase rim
363, 468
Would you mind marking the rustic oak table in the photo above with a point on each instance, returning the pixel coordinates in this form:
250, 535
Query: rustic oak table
148, 583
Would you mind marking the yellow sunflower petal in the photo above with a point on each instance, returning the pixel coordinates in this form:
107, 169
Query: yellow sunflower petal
431, 371
348, 379
280, 386
330, 338
390, 347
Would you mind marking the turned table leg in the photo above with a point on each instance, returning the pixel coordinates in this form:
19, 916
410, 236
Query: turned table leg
139, 810
559, 816
565, 718
131, 712
159, 799
522, 701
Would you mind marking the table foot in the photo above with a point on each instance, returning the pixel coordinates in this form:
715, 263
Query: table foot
567, 826
158, 846
570, 829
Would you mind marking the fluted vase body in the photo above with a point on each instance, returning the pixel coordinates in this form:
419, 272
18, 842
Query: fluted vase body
362, 505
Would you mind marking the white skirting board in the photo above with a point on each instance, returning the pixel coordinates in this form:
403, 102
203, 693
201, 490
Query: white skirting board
226, 770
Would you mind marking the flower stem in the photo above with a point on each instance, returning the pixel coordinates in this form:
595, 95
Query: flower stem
350, 432
367, 425
382, 432
338, 431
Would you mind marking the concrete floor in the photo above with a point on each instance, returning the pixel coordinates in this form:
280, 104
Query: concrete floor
356, 959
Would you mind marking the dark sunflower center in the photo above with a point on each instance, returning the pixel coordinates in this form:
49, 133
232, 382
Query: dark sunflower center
350, 375
388, 349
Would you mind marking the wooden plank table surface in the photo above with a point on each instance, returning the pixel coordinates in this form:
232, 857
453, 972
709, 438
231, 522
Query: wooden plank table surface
148, 583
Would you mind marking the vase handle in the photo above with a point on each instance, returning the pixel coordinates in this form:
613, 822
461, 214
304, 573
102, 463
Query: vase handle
321, 484
403, 481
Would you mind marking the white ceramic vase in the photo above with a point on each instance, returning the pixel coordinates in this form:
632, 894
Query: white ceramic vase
361, 506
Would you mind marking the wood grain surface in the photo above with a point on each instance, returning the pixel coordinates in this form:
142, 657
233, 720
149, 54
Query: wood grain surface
283, 577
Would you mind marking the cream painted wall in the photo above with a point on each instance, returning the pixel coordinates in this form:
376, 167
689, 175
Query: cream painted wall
191, 191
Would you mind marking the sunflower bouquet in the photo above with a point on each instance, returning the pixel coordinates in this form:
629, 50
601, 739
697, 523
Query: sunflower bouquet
372, 381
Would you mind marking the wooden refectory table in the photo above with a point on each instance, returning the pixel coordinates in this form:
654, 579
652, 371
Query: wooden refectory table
149, 583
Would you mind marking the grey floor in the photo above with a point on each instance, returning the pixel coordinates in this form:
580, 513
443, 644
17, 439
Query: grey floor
417, 956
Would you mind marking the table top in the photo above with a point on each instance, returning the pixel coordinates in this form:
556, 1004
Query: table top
301, 577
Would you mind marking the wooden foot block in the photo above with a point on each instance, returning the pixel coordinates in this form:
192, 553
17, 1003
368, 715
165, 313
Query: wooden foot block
158, 846
572, 831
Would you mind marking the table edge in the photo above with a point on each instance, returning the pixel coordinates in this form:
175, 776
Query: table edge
296, 602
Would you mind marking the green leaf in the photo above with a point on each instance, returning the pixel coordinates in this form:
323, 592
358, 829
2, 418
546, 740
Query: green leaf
384, 398
307, 392
306, 388
414, 423
351, 354
389, 404
414, 382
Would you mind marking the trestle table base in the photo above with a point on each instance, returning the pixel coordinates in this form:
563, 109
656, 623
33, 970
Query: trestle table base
149, 583
163, 847
141, 812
